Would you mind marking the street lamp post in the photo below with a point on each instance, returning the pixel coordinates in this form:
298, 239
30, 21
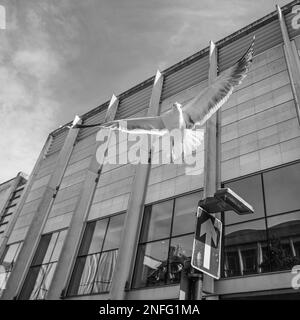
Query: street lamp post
198, 275
211, 164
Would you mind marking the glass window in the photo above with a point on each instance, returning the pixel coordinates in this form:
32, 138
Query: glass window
232, 263
157, 221
41, 271
282, 189
296, 244
249, 246
114, 231
243, 248
185, 213
249, 259
180, 251
282, 230
249, 189
105, 271
160, 262
84, 274
42, 249
151, 266
97, 257
96, 235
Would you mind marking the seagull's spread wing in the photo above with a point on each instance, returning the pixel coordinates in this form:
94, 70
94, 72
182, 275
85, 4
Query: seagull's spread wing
203, 106
150, 125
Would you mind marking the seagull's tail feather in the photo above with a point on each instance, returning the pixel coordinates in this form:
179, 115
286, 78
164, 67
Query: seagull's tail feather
192, 140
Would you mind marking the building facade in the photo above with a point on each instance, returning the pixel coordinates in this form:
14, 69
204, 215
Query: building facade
86, 228
10, 195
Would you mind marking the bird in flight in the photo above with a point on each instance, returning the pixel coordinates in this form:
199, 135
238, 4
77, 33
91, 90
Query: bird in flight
192, 115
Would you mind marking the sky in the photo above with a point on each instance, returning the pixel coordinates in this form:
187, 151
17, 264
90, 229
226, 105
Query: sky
59, 58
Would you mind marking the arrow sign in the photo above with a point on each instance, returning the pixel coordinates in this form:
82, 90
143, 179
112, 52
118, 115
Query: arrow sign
207, 244
210, 233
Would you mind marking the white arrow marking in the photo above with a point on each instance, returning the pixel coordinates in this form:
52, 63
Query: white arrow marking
209, 230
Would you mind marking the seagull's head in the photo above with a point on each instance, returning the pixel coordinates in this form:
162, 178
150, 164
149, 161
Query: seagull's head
177, 105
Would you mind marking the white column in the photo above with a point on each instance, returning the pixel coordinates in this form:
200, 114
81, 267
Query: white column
134, 214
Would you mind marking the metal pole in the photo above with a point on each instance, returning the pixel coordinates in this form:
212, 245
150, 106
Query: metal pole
211, 167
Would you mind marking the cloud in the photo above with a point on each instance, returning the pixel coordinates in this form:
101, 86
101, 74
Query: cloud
2, 17
29, 63
40, 63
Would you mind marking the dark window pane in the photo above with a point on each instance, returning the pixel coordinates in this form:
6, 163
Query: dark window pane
282, 189
248, 232
58, 246
105, 271
243, 248
180, 251
285, 225
282, 230
51, 247
296, 243
43, 282
29, 284
96, 240
151, 265
232, 266
157, 221
83, 275
114, 231
87, 238
250, 189
185, 213
41, 272
249, 259
41, 250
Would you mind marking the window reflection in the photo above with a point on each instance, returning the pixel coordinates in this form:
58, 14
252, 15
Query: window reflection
161, 262
282, 189
180, 252
251, 247
244, 248
97, 257
41, 271
157, 221
284, 231
151, 268
249, 189
185, 213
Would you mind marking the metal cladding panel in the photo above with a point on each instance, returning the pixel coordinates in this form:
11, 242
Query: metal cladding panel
95, 118
57, 142
185, 77
266, 37
293, 32
134, 103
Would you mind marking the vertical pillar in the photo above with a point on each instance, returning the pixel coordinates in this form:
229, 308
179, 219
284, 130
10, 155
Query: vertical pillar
25, 194
76, 229
31, 241
291, 62
129, 238
211, 165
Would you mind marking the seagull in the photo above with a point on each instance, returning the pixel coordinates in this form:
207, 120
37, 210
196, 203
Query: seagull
192, 115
